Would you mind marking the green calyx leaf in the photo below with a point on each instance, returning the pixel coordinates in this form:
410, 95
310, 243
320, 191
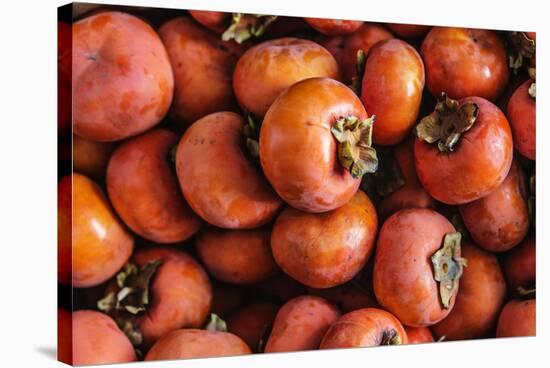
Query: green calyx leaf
244, 26
447, 123
448, 267
355, 151
357, 79
215, 323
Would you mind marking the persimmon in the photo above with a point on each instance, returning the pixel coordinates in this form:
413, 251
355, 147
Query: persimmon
481, 297
364, 327
522, 114
122, 78
64, 336
518, 318
464, 62
408, 30
315, 144
519, 265
91, 158
417, 266
325, 249
218, 180
93, 243
237, 256
144, 189
500, 220
348, 297
473, 153
203, 66
215, 21
334, 27
251, 322
391, 89
418, 335
300, 324
274, 65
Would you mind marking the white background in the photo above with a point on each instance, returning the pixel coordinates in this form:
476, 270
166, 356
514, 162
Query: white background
28, 180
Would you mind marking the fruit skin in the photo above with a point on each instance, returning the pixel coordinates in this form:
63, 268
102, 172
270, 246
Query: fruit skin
403, 275
268, 68
479, 163
392, 89
464, 62
518, 318
480, 300
217, 178
203, 65
100, 245
298, 152
363, 327
408, 30
120, 88
64, 336
181, 293
192, 343
519, 265
144, 189
250, 322
347, 297
522, 114
334, 27
237, 256
500, 220
327, 249
300, 324
98, 340
213, 20
418, 335
91, 158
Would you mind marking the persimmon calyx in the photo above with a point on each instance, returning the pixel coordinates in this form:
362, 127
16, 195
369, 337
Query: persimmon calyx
448, 267
215, 323
533, 87
391, 337
355, 151
526, 293
130, 298
252, 133
357, 79
244, 26
447, 123
522, 47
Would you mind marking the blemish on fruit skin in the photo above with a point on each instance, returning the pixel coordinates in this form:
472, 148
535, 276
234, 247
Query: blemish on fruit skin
99, 22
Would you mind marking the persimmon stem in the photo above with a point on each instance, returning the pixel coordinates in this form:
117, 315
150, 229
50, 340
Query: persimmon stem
391, 337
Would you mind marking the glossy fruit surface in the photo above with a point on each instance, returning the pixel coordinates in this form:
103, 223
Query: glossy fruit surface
518, 318
334, 27
522, 114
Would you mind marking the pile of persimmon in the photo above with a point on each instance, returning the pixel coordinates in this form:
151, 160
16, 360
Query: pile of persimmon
234, 184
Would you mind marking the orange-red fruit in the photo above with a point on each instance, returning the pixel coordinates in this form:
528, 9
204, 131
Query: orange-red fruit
481, 297
519, 265
408, 30
518, 318
419, 335
268, 68
192, 343
334, 27
251, 322
403, 273
363, 327
220, 183
144, 190
500, 220
122, 78
91, 158
237, 256
89, 231
213, 20
522, 114
98, 340
392, 89
464, 62
347, 297
326, 249
64, 336
301, 324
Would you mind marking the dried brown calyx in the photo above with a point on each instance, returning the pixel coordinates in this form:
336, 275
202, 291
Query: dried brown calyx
252, 134
447, 123
526, 293
355, 151
448, 267
215, 323
130, 298
245, 26
521, 47
391, 337
357, 79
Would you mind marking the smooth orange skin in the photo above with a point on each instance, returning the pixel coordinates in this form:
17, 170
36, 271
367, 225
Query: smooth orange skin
270, 67
181, 293
347, 297
98, 340
326, 249
361, 328
250, 321
500, 220
334, 27
203, 66
480, 300
478, 165
237, 256
300, 324
213, 20
298, 152
91, 158
220, 183
522, 114
464, 62
100, 244
144, 189
403, 275
392, 89
408, 30
519, 264
192, 343
518, 318
418, 335
122, 78
64, 336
